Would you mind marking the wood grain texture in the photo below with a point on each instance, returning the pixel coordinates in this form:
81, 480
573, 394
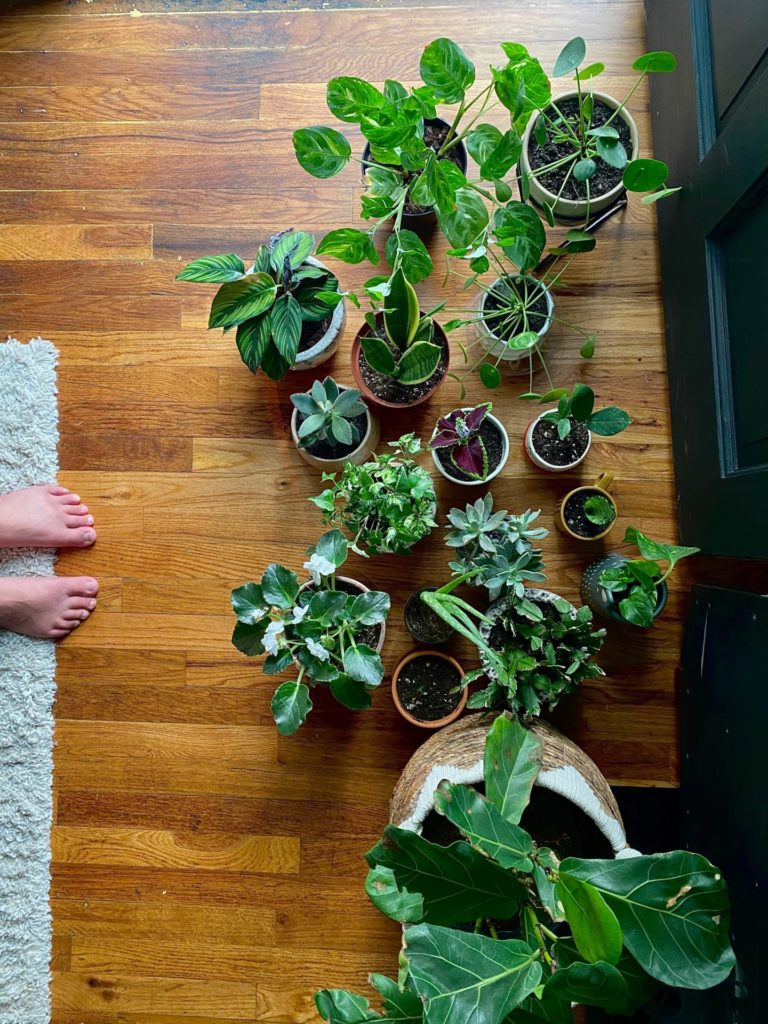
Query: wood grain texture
206, 871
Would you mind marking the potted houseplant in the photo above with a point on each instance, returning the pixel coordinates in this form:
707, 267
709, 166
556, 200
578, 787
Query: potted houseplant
387, 504
588, 512
428, 689
423, 624
497, 928
330, 424
469, 446
287, 307
559, 439
580, 151
632, 590
400, 355
329, 630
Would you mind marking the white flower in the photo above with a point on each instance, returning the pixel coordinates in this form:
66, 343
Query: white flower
317, 649
319, 566
257, 615
299, 613
270, 641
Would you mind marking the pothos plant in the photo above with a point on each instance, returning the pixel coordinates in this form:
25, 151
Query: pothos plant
269, 301
314, 629
387, 504
498, 929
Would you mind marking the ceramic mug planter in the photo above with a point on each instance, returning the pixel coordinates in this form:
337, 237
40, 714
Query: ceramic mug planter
450, 663
359, 455
509, 359
325, 347
491, 419
425, 392
601, 486
572, 210
539, 460
354, 586
424, 221
605, 602
424, 625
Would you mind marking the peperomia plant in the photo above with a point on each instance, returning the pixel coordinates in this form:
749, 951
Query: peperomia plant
458, 434
637, 580
387, 504
318, 629
499, 929
330, 414
269, 302
578, 406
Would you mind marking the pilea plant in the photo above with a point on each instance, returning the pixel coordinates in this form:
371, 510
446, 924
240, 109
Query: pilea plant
330, 414
498, 929
578, 406
272, 302
458, 434
387, 504
328, 634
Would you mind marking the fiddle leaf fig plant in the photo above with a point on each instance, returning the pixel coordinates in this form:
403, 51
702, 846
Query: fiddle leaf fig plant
318, 630
510, 934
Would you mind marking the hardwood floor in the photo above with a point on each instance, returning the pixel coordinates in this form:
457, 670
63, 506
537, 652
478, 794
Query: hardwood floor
204, 869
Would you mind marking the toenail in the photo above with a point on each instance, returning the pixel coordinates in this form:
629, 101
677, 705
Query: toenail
89, 535
91, 605
84, 615
89, 520
90, 588
76, 497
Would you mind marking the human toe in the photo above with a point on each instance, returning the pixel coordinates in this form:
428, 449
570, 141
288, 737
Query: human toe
81, 536
70, 499
82, 586
76, 510
77, 519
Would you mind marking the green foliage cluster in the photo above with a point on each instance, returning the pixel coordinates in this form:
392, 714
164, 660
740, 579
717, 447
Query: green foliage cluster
578, 406
330, 413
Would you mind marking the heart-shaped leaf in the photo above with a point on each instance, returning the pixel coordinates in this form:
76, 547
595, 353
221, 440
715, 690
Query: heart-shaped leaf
350, 99
290, 706
447, 70
645, 175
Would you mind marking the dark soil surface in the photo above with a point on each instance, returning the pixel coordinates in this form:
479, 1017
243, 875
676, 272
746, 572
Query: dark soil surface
491, 437
312, 332
368, 634
576, 518
390, 390
326, 450
557, 452
424, 687
537, 315
422, 623
605, 177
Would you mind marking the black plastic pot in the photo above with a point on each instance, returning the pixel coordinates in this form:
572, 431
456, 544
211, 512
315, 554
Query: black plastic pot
409, 612
422, 222
605, 602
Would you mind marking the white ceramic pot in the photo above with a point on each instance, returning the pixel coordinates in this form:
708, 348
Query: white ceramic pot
510, 359
363, 590
327, 345
537, 460
571, 210
502, 462
358, 455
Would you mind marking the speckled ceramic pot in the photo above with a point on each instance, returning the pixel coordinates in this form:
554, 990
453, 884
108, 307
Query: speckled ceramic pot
605, 602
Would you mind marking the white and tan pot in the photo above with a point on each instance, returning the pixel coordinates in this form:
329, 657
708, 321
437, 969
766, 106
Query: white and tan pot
324, 348
510, 359
542, 463
456, 754
496, 608
363, 590
573, 210
358, 455
502, 462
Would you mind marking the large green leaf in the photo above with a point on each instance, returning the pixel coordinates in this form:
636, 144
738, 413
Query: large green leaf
321, 151
350, 692
294, 246
400, 1004
484, 826
415, 260
652, 549
349, 245
290, 706
248, 601
609, 421
219, 269
418, 363
482, 141
401, 315
502, 157
252, 338
594, 984
673, 909
595, 929
363, 664
350, 98
239, 300
447, 70
457, 883
333, 545
399, 904
467, 221
520, 233
656, 60
378, 354
521, 85
512, 762
339, 1006
247, 637
279, 585
465, 977
370, 608
645, 174
285, 323
273, 364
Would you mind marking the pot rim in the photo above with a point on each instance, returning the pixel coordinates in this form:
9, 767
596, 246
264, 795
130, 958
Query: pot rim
493, 340
347, 455
587, 487
338, 317
412, 599
502, 461
439, 722
363, 590
528, 443
662, 591
363, 388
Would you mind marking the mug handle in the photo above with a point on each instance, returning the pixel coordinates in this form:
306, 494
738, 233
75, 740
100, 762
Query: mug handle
604, 481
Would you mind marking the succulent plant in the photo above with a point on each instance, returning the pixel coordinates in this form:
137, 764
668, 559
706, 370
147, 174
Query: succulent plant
458, 433
330, 414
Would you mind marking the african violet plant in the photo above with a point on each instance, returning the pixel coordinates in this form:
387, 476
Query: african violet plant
330, 414
314, 629
498, 929
270, 301
458, 434
387, 504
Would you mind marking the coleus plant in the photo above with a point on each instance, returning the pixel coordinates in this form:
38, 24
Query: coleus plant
269, 301
313, 629
636, 581
578, 405
330, 414
458, 433
498, 929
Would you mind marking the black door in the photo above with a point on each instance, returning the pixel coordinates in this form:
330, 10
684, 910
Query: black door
710, 124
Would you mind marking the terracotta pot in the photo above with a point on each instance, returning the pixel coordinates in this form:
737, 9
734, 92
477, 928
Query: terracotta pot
495, 472
363, 590
358, 455
440, 338
572, 210
541, 463
510, 359
440, 722
323, 349
602, 485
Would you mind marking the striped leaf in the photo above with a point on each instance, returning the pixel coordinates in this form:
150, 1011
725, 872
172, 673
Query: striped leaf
214, 269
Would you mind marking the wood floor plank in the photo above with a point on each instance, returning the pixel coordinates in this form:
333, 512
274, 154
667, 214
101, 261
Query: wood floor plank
75, 242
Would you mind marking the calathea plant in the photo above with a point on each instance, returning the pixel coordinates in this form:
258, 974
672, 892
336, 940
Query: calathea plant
498, 929
270, 301
387, 504
330, 414
458, 434
325, 633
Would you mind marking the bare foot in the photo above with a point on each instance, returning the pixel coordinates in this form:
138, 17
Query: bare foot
46, 606
44, 517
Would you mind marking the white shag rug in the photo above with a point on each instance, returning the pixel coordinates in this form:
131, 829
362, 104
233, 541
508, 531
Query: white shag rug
28, 442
